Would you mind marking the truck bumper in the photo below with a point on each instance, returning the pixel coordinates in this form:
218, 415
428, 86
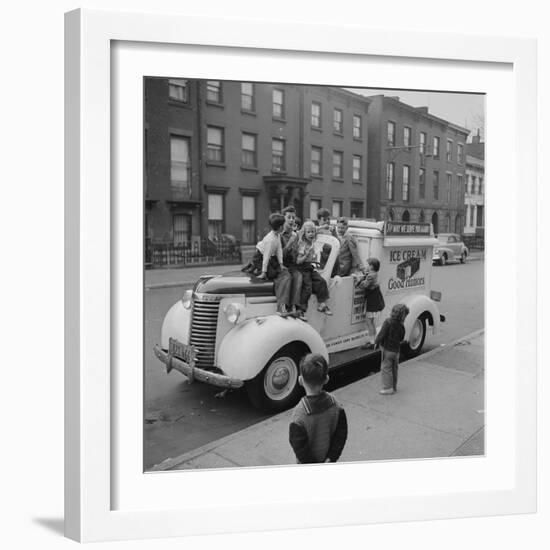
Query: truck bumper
194, 373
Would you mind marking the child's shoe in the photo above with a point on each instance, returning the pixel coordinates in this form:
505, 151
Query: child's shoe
389, 391
282, 310
368, 345
323, 308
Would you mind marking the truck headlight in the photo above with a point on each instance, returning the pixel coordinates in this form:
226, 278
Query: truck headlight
234, 313
187, 299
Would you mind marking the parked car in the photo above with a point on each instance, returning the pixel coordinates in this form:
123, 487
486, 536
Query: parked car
225, 331
449, 248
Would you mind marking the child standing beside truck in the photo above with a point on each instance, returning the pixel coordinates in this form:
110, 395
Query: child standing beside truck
389, 339
373, 298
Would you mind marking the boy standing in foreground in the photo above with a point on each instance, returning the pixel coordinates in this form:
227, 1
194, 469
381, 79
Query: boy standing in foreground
319, 428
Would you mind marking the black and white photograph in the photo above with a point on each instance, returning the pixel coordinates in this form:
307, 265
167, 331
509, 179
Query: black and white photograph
314, 274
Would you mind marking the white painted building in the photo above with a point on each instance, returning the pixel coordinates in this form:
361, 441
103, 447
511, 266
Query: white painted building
474, 197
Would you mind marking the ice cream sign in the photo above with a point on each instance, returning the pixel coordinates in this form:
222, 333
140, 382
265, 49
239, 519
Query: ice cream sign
407, 268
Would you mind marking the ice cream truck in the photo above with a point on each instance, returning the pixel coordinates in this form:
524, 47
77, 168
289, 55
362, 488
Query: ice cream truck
226, 332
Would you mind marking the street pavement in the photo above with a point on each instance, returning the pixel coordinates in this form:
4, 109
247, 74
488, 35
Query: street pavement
438, 411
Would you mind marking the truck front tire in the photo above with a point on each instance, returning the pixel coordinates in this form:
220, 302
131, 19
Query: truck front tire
413, 347
276, 387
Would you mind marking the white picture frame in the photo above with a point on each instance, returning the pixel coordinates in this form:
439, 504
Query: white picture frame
102, 404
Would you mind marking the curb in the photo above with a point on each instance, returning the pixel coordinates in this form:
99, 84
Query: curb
154, 286
170, 463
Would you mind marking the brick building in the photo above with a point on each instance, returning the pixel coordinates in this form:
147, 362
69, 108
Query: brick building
416, 167
220, 156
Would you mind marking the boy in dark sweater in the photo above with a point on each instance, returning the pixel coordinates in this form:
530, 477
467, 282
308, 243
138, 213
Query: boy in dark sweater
389, 339
318, 429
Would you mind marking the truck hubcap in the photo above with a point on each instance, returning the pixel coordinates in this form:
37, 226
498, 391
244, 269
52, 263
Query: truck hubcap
280, 378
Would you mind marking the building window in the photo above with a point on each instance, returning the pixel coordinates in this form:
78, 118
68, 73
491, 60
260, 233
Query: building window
459, 153
357, 127
390, 179
357, 169
449, 186
406, 182
336, 209
180, 167
480, 185
449, 151
338, 122
247, 96
316, 161
214, 150
214, 91
316, 115
423, 141
436, 147
278, 155
406, 217
469, 184
422, 217
314, 206
248, 157
337, 161
181, 229
356, 209
460, 182
249, 219
436, 186
391, 134
278, 103
178, 90
406, 136
215, 215
476, 185
422, 183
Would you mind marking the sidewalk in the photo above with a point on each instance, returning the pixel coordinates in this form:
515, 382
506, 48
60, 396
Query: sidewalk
438, 411
165, 278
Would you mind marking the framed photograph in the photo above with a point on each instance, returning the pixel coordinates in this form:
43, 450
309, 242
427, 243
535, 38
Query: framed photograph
184, 137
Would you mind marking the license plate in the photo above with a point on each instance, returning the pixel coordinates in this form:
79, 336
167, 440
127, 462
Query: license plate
182, 351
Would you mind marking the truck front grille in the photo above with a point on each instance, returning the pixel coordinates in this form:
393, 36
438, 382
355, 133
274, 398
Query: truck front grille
203, 331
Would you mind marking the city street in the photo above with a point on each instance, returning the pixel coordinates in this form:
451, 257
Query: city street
180, 417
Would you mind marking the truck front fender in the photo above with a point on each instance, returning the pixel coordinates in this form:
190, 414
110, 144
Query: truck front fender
246, 349
176, 325
419, 305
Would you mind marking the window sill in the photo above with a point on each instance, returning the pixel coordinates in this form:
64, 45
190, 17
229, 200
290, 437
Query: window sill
338, 134
316, 177
178, 103
219, 164
214, 103
358, 139
317, 129
278, 172
247, 112
338, 180
357, 182
278, 119
249, 168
